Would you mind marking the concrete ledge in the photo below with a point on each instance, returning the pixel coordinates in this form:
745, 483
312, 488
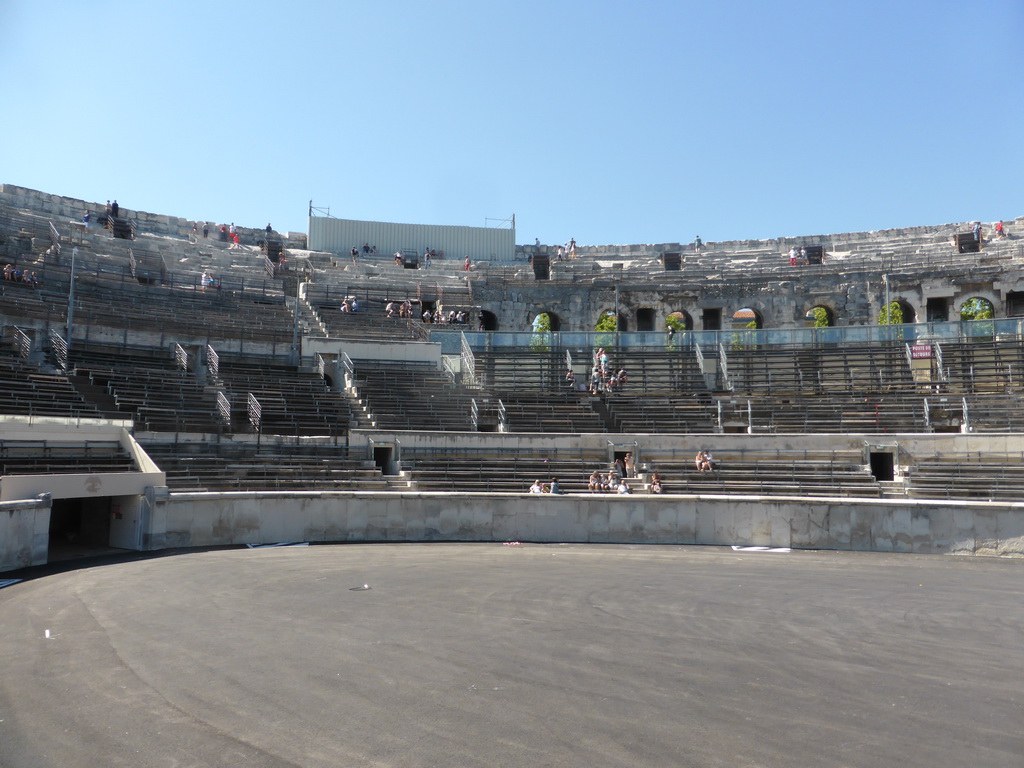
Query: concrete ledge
211, 519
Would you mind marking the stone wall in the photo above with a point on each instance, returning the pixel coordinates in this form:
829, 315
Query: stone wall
205, 519
24, 533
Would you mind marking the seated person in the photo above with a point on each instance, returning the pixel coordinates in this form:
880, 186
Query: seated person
594, 484
555, 487
611, 481
390, 309
536, 487
656, 483
623, 487
698, 461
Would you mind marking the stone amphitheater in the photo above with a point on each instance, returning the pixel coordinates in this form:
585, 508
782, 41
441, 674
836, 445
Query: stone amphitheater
183, 391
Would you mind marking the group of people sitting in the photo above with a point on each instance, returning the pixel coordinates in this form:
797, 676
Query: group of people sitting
704, 461
350, 304
440, 317
17, 275
401, 309
552, 487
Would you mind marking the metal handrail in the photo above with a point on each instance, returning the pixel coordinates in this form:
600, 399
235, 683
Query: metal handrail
724, 366
255, 412
224, 409
212, 362
181, 357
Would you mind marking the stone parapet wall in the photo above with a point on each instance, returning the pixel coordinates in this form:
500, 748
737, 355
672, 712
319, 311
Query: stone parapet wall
205, 519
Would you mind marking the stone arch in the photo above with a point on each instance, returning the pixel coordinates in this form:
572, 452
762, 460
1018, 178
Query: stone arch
488, 320
820, 316
621, 323
553, 322
747, 317
902, 310
682, 318
976, 308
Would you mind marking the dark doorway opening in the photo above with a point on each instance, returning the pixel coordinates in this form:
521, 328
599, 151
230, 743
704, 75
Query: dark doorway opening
937, 310
384, 458
883, 465
488, 320
78, 528
711, 319
645, 319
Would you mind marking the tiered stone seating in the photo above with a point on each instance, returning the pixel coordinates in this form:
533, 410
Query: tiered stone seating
26, 390
293, 401
241, 467
146, 386
491, 470
538, 411
663, 414
25, 457
780, 472
409, 395
995, 477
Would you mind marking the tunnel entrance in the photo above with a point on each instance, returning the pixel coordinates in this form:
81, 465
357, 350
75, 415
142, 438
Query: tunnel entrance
79, 528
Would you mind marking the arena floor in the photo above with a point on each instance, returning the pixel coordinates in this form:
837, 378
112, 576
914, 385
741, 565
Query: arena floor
532, 655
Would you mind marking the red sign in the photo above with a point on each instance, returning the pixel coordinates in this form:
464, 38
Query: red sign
920, 351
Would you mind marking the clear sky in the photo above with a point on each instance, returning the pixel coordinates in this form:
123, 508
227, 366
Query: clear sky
609, 122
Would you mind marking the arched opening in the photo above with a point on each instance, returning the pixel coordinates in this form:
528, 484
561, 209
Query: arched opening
820, 317
747, 318
679, 321
899, 311
607, 322
645, 319
977, 308
488, 321
545, 321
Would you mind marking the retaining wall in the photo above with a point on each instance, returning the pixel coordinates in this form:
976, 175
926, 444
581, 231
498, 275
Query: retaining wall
208, 519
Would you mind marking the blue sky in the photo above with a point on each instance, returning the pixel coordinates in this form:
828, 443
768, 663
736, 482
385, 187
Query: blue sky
612, 123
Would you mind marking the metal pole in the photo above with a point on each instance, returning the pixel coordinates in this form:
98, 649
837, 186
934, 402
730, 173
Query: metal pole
71, 298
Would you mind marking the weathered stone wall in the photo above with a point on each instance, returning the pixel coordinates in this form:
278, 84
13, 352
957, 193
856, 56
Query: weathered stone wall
24, 533
204, 519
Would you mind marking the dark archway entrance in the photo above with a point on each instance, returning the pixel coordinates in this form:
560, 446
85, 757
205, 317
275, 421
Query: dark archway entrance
488, 321
645, 317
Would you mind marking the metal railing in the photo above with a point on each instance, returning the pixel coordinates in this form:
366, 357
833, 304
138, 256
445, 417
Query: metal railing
181, 357
474, 414
723, 362
255, 412
23, 343
1010, 328
54, 238
347, 365
59, 347
468, 363
212, 362
224, 409
940, 362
